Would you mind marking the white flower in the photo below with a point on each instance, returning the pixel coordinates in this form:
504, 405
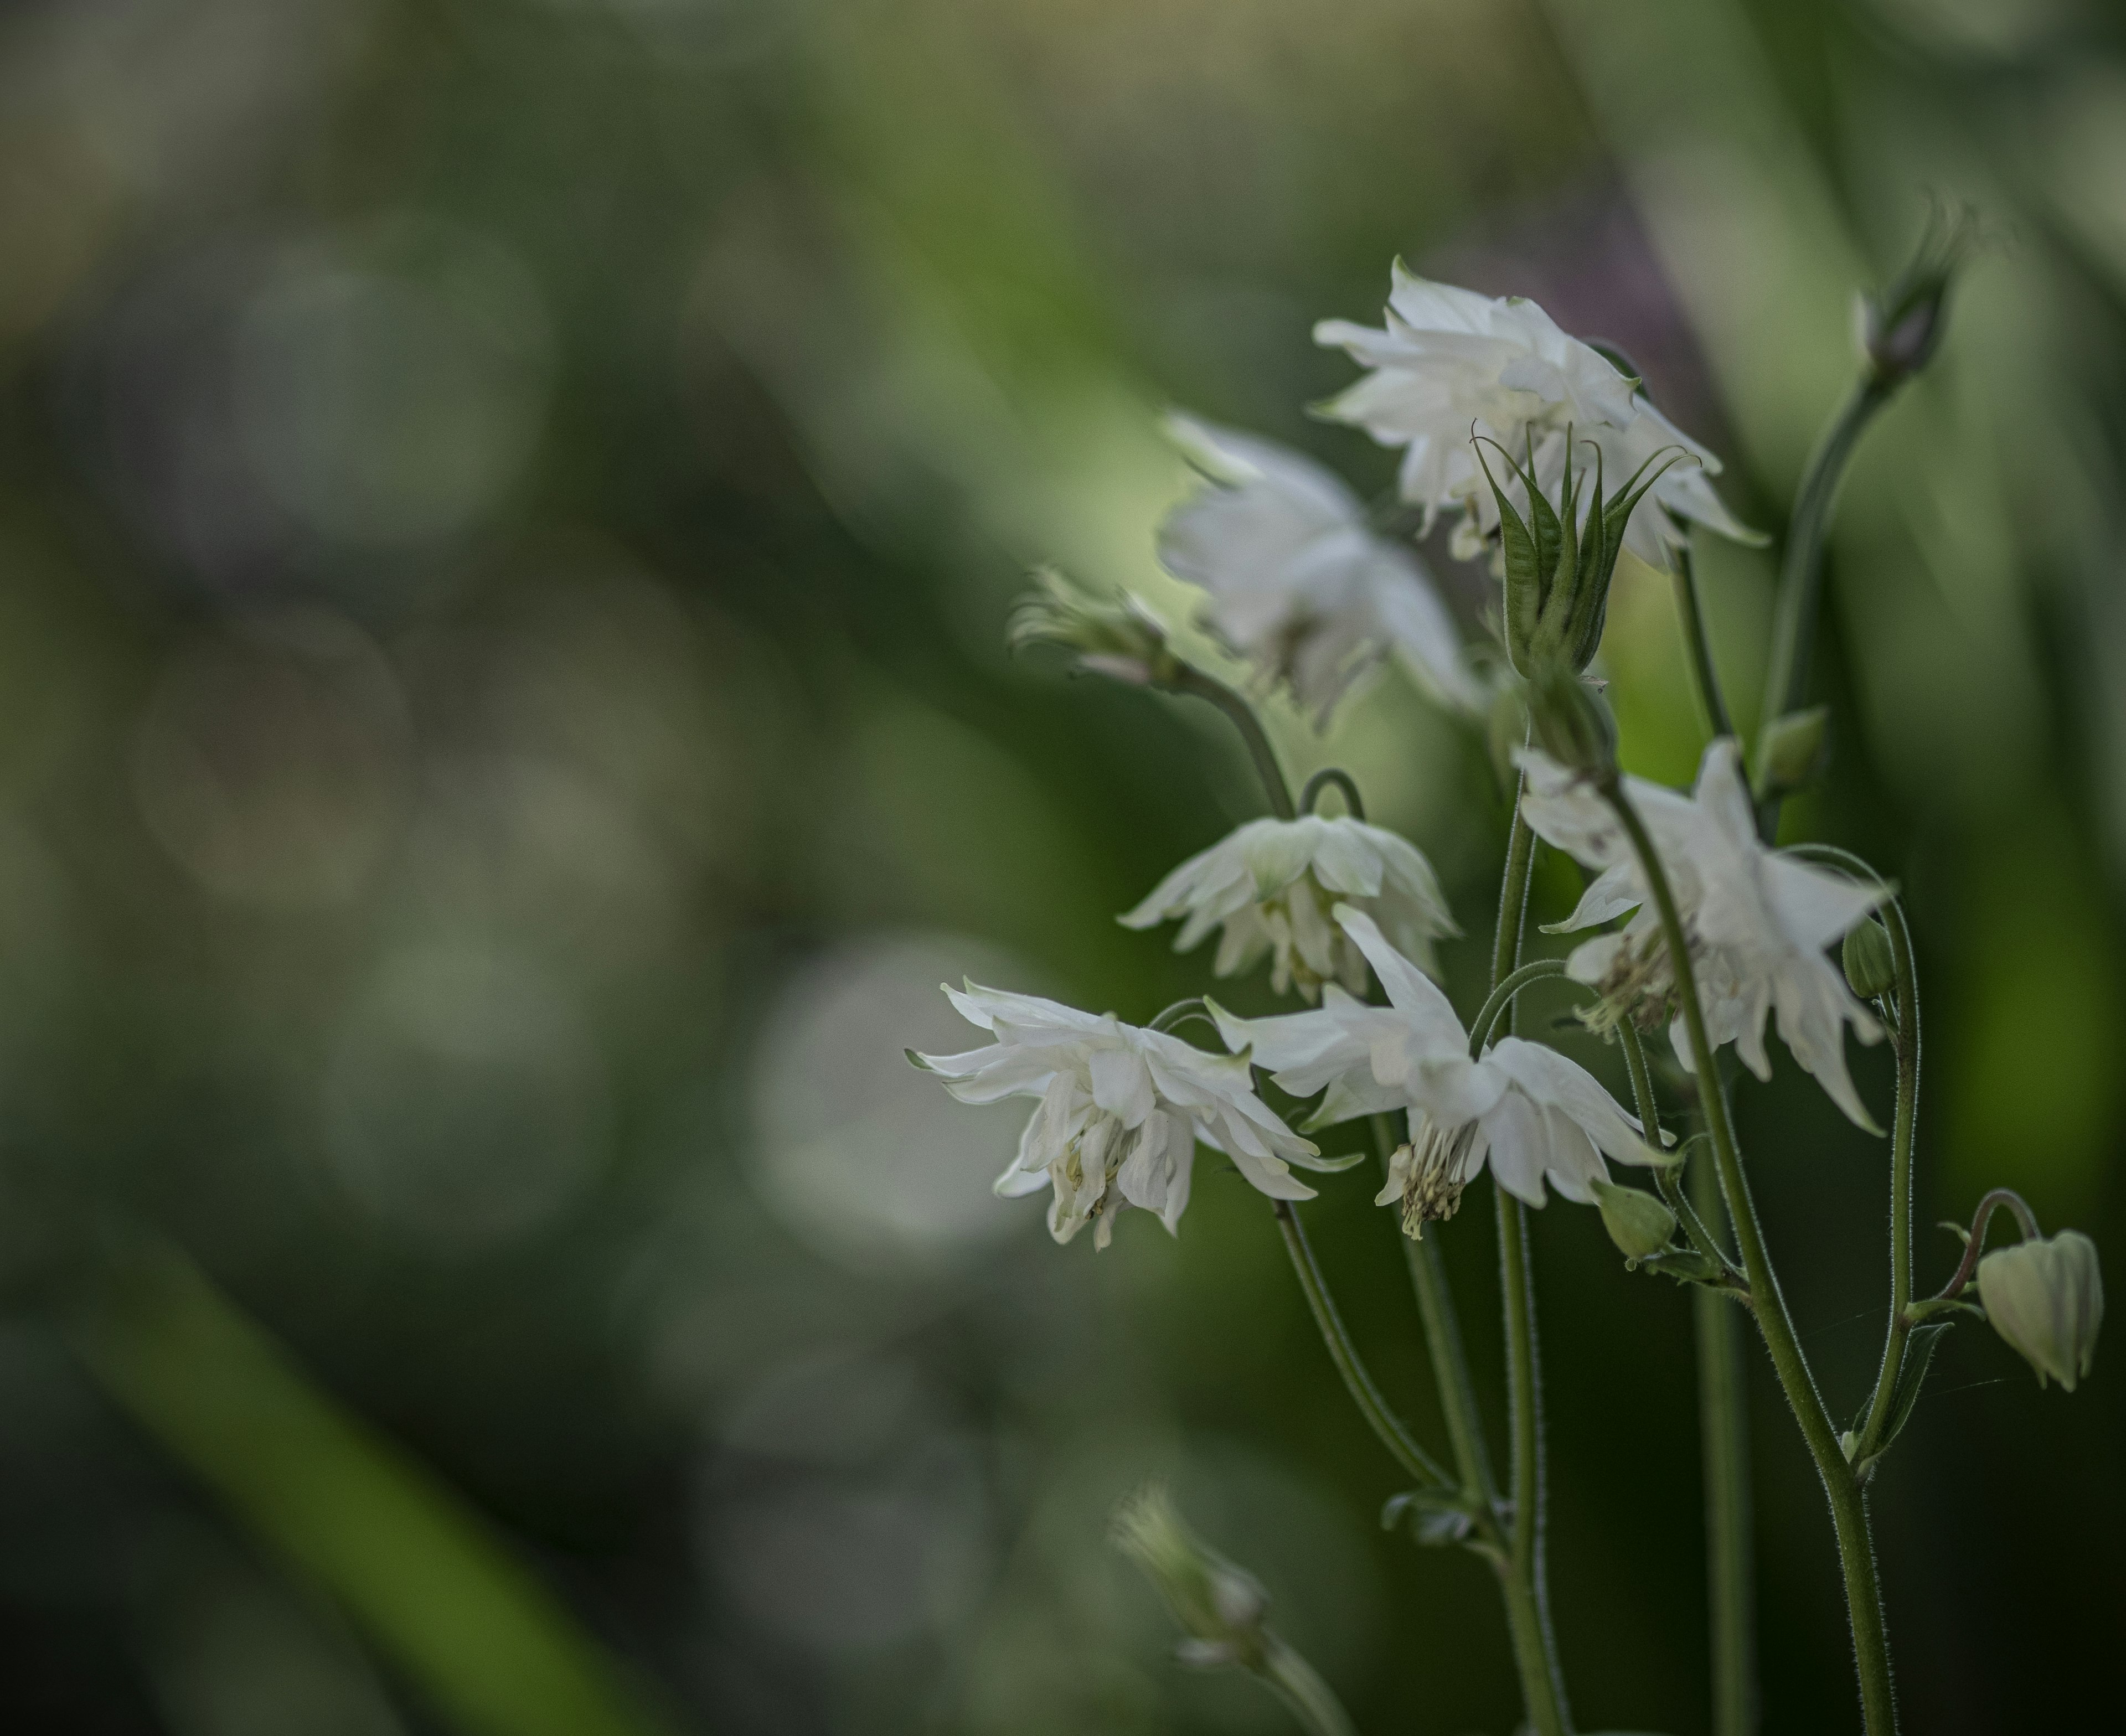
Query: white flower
1526, 1110
1757, 920
1121, 1110
1272, 884
1299, 584
1450, 360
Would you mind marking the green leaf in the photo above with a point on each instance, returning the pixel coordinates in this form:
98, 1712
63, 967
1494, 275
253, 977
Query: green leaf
1919, 1353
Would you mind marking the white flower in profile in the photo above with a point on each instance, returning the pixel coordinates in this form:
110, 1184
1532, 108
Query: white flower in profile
1121, 1110
1757, 920
1526, 1110
1271, 884
1299, 582
1450, 361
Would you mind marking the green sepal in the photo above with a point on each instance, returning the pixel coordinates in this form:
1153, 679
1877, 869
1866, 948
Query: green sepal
1518, 548
1685, 1265
1436, 1516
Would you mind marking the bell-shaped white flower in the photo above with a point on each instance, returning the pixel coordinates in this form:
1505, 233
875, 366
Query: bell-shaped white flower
1757, 920
1120, 1110
1450, 361
1527, 1111
1271, 886
1299, 582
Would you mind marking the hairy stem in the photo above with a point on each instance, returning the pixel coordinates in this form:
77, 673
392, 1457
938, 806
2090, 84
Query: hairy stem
1801, 572
1310, 1701
1848, 1510
1698, 647
1724, 1444
1480, 1028
1364, 1393
1242, 716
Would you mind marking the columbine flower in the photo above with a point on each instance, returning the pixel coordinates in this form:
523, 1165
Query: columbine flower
1121, 1110
2045, 1296
1450, 358
1120, 637
1220, 1606
1756, 920
1299, 583
1272, 884
1526, 1110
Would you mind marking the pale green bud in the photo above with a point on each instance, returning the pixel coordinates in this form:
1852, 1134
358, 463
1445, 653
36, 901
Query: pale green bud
1220, 1605
1791, 755
1122, 638
2045, 1296
1571, 722
1637, 1222
1870, 966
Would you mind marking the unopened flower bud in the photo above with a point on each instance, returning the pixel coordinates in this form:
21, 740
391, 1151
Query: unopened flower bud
1637, 1222
1870, 966
2045, 1296
1121, 638
1220, 1605
1900, 328
1572, 723
1793, 752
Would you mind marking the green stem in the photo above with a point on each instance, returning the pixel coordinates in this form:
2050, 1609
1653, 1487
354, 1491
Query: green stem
1487, 1016
1724, 1437
1905, 1038
1801, 573
1242, 717
1848, 1510
1309, 1699
1698, 647
1364, 1393
1528, 1600
422, 1575
1354, 804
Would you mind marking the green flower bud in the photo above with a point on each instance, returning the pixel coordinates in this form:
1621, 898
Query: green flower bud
1791, 753
1220, 1605
1124, 639
1571, 722
1870, 966
1900, 328
2045, 1296
1560, 558
1637, 1222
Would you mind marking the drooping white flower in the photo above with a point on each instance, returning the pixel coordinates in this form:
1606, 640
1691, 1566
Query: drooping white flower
1526, 1110
1272, 884
1299, 582
1757, 920
1450, 361
1121, 1110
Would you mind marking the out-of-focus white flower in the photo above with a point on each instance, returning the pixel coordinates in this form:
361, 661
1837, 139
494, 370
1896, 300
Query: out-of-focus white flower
1299, 583
1121, 1110
1757, 920
1272, 884
1450, 360
1526, 1110
1118, 637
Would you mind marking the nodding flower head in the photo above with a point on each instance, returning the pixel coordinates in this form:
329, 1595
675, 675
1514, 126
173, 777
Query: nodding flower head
1561, 557
1122, 638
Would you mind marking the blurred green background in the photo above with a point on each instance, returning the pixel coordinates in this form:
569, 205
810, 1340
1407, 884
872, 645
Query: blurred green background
506, 514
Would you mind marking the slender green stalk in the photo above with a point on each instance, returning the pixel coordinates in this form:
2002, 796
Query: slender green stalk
1354, 804
1242, 717
1309, 1700
1801, 572
1356, 1381
1528, 1597
1723, 1416
1487, 1016
420, 1573
1698, 647
1848, 1510
1724, 1444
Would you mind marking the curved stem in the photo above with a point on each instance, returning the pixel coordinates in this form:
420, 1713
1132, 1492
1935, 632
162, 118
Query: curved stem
1513, 893
1801, 573
2025, 1220
1354, 803
1242, 716
1698, 647
1372, 1406
1905, 1036
1848, 1509
1306, 1697
1487, 1016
